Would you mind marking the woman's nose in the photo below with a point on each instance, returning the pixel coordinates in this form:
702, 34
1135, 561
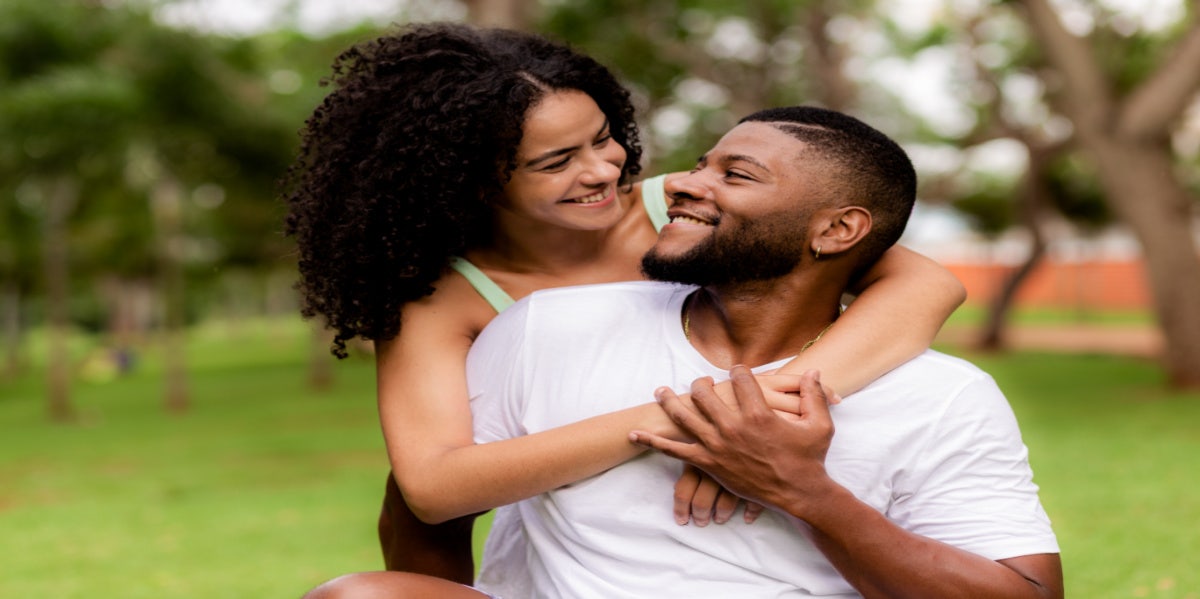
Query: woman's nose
599, 170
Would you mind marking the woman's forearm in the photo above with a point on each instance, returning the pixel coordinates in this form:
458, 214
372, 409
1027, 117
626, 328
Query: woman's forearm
457, 481
903, 303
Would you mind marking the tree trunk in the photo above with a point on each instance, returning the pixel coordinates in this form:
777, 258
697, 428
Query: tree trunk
1142, 189
10, 322
60, 201
1127, 139
320, 361
825, 60
1032, 206
167, 203
993, 337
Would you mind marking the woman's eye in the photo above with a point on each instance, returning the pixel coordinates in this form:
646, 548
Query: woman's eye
602, 140
556, 165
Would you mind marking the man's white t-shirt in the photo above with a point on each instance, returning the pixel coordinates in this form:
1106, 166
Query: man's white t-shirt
933, 445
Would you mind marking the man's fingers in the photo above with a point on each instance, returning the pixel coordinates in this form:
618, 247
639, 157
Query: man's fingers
688, 452
745, 388
830, 395
706, 399
813, 403
683, 416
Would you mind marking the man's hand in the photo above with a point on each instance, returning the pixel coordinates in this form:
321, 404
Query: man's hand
747, 447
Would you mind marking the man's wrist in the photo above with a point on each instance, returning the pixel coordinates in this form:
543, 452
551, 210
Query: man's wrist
817, 501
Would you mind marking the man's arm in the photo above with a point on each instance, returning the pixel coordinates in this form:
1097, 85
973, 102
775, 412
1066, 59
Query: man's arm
781, 462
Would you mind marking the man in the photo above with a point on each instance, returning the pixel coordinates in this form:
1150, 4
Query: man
923, 491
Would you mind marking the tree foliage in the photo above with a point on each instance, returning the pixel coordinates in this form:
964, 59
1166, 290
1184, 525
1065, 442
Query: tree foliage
141, 152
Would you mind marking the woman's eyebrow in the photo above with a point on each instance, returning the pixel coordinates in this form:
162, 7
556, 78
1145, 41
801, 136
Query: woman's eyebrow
544, 156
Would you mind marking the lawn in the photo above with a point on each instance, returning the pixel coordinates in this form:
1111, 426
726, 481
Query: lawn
266, 487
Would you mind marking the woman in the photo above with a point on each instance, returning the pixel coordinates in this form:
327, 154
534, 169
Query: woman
515, 154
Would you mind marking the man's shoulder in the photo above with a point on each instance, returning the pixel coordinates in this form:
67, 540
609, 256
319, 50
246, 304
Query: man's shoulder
603, 293
584, 304
932, 372
932, 360
582, 308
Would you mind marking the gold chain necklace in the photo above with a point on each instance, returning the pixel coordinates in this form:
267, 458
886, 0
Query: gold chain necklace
687, 327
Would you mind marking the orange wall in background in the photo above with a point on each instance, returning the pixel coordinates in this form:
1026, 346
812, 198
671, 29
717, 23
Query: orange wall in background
1101, 284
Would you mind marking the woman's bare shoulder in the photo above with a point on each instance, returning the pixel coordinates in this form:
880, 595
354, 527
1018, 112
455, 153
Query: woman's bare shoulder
454, 308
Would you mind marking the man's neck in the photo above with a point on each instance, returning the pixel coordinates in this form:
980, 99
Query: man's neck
760, 322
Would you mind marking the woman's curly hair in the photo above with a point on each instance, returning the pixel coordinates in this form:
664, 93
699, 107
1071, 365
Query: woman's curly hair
401, 165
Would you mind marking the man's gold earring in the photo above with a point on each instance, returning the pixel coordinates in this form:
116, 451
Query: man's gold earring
817, 253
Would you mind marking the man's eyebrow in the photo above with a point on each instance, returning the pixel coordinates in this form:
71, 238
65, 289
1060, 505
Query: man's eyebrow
561, 151
744, 158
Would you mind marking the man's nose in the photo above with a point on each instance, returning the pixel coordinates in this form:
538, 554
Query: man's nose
686, 186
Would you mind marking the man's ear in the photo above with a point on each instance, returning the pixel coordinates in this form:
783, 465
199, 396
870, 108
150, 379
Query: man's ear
840, 229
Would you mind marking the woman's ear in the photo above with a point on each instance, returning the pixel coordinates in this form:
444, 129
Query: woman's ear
839, 230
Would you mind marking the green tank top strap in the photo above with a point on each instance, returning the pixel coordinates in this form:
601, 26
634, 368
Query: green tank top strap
654, 199
491, 292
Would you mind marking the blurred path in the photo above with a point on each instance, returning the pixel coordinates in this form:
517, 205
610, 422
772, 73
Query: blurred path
1130, 340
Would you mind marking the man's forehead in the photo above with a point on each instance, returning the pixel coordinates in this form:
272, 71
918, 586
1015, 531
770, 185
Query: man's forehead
757, 140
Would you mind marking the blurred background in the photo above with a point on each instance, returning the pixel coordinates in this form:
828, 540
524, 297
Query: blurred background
169, 427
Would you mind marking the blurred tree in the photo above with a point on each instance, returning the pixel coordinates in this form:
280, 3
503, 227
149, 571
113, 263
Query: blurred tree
131, 137
699, 65
18, 257
1123, 96
1108, 101
58, 113
1094, 114
510, 14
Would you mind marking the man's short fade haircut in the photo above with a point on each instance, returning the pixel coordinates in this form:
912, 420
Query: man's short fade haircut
874, 170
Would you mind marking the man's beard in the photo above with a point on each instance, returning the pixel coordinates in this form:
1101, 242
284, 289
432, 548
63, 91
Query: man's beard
752, 252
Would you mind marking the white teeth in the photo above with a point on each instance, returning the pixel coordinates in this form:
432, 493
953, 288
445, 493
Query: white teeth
687, 220
592, 199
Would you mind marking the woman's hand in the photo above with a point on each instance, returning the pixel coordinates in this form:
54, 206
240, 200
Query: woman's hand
780, 391
701, 499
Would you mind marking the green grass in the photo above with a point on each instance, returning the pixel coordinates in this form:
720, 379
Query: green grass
1117, 456
266, 488
974, 313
